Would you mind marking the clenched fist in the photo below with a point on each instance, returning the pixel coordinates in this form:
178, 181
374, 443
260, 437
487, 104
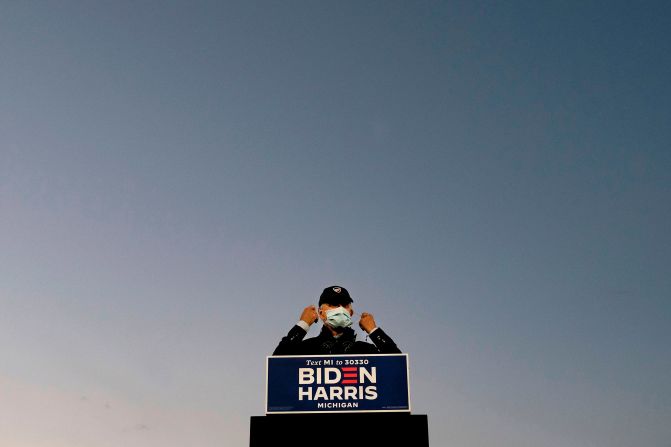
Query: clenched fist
309, 315
367, 322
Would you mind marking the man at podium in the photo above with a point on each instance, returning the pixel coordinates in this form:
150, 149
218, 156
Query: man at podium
336, 337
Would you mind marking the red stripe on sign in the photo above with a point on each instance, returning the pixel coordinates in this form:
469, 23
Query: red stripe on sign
350, 375
348, 368
349, 381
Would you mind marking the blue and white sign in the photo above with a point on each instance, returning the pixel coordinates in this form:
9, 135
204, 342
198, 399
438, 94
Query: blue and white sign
337, 383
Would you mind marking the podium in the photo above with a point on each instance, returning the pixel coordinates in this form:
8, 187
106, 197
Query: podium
351, 429
356, 400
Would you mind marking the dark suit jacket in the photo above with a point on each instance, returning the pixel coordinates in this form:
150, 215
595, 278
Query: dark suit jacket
325, 343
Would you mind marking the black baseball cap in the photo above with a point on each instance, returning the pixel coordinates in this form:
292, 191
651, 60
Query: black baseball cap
335, 295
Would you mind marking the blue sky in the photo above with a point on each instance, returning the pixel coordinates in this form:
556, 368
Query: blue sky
490, 179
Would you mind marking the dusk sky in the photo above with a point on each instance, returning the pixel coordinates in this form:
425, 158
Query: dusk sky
491, 180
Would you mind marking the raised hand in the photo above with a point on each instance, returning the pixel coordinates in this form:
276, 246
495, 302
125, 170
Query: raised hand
309, 315
367, 322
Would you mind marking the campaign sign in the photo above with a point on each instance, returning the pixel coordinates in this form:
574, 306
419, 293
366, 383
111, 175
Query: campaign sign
337, 383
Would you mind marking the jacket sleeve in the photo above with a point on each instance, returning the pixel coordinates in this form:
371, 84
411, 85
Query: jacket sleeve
383, 342
290, 344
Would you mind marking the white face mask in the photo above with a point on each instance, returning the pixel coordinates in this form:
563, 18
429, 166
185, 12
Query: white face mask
338, 318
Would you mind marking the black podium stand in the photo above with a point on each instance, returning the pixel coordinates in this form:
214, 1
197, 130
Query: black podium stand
359, 429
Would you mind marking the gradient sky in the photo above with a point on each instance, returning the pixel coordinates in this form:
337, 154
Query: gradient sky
492, 180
